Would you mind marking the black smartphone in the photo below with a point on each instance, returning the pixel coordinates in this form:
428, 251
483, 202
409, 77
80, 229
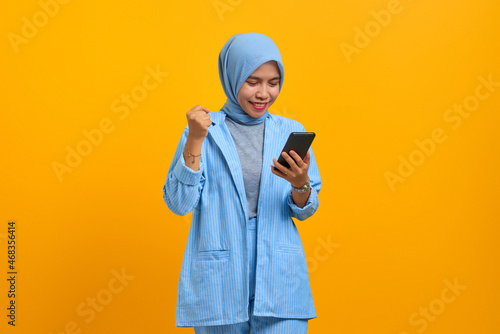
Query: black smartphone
298, 142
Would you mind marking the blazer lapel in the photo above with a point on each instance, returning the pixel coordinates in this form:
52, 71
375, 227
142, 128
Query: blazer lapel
272, 148
222, 137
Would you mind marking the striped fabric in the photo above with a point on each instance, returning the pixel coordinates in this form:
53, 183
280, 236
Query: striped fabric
213, 284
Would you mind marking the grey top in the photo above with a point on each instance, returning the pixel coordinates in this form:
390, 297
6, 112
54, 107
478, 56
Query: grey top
249, 141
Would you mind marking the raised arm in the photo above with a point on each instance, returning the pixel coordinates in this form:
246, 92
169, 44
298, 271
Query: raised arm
185, 178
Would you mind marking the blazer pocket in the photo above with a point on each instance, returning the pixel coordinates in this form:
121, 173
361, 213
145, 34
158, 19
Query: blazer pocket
289, 248
213, 255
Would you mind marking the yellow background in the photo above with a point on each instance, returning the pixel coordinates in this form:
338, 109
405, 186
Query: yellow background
391, 250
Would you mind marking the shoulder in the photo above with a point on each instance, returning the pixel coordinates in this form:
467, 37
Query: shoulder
287, 123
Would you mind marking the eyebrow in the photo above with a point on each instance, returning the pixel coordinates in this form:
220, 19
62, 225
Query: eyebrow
257, 78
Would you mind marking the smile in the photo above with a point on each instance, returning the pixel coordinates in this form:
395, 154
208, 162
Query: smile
259, 106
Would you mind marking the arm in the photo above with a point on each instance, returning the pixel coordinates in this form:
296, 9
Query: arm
183, 185
192, 153
312, 203
185, 179
302, 205
297, 175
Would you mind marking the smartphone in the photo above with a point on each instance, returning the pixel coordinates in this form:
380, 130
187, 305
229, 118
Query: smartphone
298, 142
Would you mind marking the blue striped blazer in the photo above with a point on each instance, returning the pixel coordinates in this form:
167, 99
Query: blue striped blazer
213, 284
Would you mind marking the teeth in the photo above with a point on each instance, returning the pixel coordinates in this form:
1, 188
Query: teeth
259, 104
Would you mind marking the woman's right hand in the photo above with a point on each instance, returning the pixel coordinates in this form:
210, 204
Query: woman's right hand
198, 122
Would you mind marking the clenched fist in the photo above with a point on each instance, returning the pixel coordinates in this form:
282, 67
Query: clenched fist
198, 122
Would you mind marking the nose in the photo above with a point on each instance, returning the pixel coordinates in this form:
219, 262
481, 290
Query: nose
262, 92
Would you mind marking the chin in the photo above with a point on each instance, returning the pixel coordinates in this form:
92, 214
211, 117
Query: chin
256, 114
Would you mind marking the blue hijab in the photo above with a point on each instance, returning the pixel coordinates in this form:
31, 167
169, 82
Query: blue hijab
241, 56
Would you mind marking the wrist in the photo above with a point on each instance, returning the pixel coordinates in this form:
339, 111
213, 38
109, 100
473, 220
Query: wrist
194, 144
300, 184
192, 150
304, 187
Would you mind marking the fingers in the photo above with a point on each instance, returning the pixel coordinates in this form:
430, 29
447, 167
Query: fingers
199, 121
297, 158
298, 167
282, 170
307, 158
278, 173
293, 160
206, 117
198, 108
197, 112
205, 120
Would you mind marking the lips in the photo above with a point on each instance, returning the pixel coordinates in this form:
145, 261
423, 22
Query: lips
258, 105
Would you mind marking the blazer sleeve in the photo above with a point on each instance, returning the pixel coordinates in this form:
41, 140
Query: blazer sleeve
312, 202
182, 189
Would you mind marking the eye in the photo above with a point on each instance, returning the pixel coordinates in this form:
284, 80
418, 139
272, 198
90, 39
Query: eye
251, 83
273, 83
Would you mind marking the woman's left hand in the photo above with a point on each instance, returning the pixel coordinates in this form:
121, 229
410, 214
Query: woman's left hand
297, 173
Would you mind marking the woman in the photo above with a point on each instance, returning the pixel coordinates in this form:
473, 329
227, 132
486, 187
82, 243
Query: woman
244, 265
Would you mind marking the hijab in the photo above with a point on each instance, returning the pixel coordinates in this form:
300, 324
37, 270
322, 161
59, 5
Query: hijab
242, 54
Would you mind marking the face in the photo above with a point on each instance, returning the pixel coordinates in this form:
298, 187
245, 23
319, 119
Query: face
260, 90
